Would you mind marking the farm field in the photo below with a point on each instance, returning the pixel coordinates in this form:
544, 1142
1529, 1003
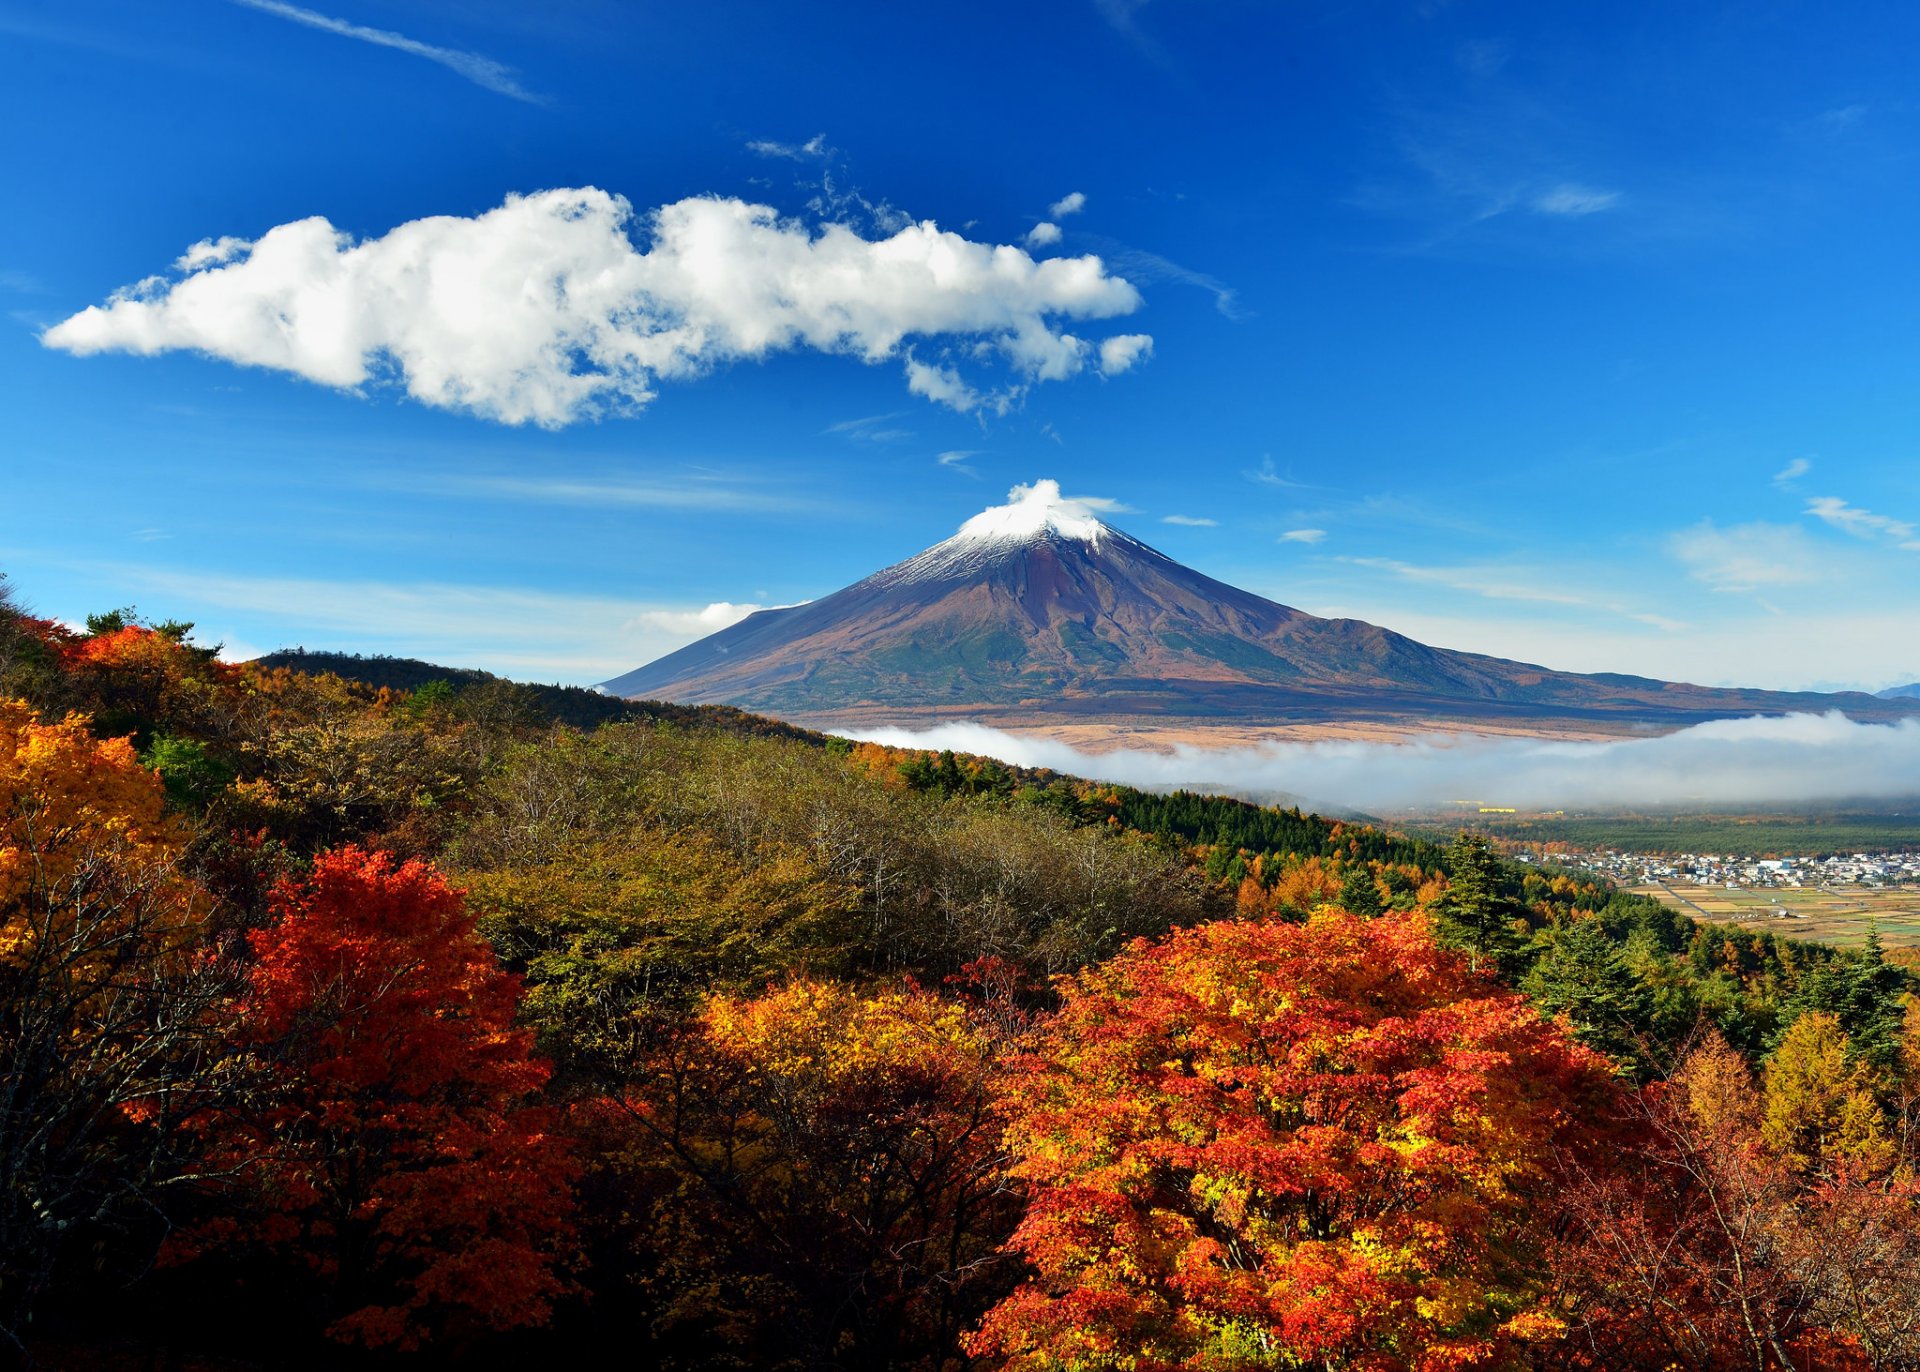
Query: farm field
1841, 915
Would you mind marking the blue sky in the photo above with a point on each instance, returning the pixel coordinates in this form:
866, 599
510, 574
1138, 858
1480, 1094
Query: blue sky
1584, 335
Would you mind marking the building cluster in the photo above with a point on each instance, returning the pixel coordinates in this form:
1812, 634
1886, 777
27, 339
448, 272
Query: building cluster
1745, 873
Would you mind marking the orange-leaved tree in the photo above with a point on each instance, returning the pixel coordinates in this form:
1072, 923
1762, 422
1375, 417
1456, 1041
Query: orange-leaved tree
1263, 1144
106, 988
395, 1152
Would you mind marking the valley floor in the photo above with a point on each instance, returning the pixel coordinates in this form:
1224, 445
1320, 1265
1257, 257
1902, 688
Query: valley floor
1840, 916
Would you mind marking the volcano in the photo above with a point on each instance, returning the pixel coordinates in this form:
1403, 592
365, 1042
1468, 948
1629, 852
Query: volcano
1038, 613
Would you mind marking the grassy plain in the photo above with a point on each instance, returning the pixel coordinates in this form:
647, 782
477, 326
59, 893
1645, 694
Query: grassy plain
1840, 915
1759, 834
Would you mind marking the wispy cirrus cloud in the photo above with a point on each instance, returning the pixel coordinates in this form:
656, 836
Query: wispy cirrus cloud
1746, 558
1493, 584
872, 428
1793, 471
1190, 521
1140, 265
481, 70
593, 492
1865, 524
1303, 536
1574, 200
1522, 585
545, 311
814, 147
513, 630
1266, 474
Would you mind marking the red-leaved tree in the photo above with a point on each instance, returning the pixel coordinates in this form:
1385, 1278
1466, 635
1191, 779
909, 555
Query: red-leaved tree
1261, 1144
390, 1146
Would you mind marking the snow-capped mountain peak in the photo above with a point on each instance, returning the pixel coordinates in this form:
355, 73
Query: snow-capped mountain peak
1036, 509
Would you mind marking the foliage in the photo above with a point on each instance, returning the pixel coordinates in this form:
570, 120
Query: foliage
387, 1142
814, 1176
105, 998
1748, 1227
1261, 1144
620, 936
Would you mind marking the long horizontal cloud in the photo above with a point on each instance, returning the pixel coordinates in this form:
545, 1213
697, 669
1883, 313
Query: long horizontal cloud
1785, 759
546, 311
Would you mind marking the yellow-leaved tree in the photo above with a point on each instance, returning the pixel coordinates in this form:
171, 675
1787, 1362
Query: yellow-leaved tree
106, 988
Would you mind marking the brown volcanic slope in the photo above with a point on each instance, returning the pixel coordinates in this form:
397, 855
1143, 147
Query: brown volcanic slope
1038, 614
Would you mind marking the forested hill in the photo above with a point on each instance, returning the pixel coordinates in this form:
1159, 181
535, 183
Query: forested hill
575, 706
1195, 818
420, 1028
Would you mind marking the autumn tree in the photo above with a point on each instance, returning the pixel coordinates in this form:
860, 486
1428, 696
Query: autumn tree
621, 936
809, 1178
389, 1149
1262, 1144
1744, 1224
107, 1037
145, 681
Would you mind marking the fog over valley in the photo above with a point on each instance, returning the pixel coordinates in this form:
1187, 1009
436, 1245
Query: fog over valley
1788, 759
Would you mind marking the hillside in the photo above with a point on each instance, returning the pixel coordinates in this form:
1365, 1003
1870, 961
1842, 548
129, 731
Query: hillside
678, 1027
546, 704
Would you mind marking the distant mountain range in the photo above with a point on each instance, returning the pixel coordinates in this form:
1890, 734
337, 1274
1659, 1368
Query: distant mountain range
1911, 691
1039, 613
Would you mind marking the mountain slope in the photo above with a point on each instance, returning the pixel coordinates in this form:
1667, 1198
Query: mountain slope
1038, 612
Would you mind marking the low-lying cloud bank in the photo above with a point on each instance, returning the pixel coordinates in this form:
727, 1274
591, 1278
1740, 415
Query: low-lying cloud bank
546, 311
1790, 759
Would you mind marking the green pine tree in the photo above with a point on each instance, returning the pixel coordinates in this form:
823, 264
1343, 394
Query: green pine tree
1360, 893
1476, 914
1584, 975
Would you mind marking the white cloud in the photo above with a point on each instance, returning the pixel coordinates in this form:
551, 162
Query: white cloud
1495, 583
956, 460
944, 386
1043, 235
1071, 203
1571, 199
1190, 521
1746, 557
1793, 471
698, 623
544, 311
814, 147
1796, 758
1303, 535
482, 71
1864, 523
1119, 353
210, 252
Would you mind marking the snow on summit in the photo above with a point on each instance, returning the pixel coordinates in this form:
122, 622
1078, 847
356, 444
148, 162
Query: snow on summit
1032, 510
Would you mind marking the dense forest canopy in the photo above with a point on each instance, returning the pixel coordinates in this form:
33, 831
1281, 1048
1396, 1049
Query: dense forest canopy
406, 1014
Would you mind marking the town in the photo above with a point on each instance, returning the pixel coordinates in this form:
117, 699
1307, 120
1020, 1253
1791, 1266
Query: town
1735, 873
